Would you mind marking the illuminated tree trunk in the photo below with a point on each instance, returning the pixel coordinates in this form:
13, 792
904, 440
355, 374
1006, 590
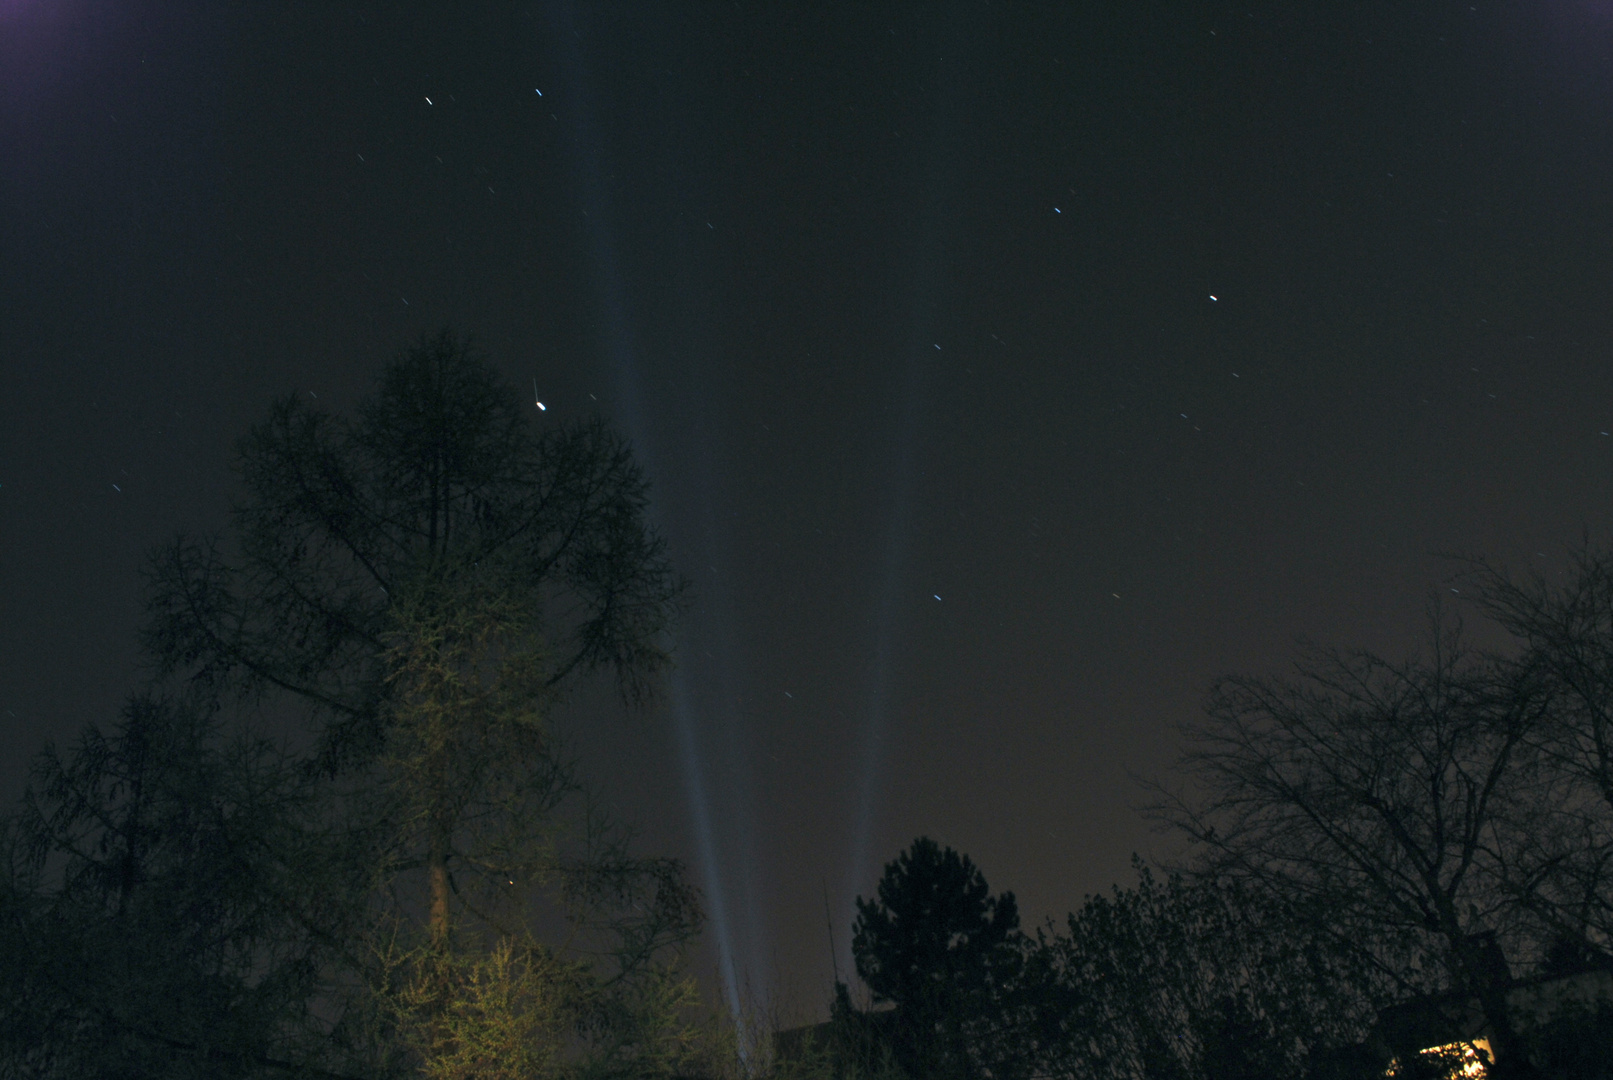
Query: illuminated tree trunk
437, 873
439, 711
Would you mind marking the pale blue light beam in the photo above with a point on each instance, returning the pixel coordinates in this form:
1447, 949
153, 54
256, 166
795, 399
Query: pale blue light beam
930, 254
622, 355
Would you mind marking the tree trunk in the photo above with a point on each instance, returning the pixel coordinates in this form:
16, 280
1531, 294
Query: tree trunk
437, 871
1485, 968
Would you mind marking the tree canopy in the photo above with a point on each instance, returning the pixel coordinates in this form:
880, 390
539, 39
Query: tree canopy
441, 476
1195, 979
429, 890
1376, 796
155, 910
935, 943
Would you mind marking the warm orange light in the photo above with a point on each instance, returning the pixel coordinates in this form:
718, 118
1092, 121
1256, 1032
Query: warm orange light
1466, 1060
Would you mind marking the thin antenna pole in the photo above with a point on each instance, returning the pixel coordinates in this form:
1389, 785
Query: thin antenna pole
828, 918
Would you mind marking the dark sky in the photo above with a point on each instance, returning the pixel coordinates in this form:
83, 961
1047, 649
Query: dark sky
1005, 372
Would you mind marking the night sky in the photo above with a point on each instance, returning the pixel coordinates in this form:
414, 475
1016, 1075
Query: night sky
1005, 372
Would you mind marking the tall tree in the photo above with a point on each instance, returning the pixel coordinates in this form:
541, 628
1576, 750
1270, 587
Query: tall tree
942, 949
1374, 796
427, 578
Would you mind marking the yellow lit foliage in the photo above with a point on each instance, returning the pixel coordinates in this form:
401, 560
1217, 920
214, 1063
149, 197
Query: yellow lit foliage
1452, 1061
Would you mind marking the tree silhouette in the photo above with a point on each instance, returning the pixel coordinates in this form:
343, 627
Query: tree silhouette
441, 475
156, 919
1381, 798
943, 950
1202, 979
426, 578
1562, 855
